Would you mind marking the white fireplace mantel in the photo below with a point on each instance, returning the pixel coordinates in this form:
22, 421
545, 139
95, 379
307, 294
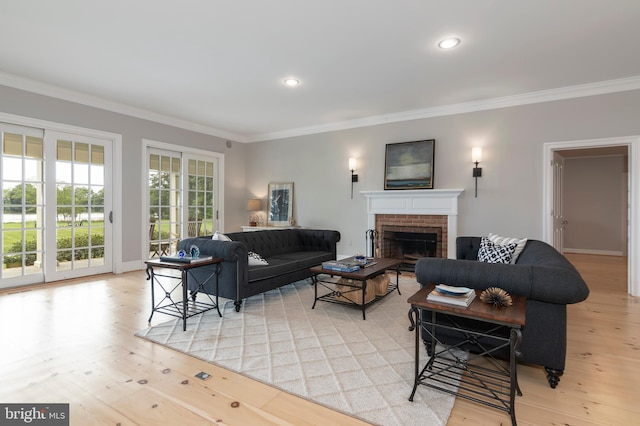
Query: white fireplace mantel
417, 202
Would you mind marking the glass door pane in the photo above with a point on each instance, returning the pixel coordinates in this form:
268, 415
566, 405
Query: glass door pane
164, 201
22, 213
201, 204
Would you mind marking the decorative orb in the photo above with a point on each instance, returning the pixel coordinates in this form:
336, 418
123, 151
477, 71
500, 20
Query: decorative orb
496, 297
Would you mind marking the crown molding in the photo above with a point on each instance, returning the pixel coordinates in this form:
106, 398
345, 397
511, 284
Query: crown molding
570, 92
57, 92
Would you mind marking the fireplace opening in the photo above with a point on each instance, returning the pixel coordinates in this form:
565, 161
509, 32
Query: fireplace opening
409, 247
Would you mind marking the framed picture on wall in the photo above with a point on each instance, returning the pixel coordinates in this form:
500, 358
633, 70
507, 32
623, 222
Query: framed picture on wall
409, 165
280, 204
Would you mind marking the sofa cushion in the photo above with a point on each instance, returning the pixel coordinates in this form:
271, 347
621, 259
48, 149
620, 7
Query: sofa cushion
500, 240
495, 253
307, 259
275, 268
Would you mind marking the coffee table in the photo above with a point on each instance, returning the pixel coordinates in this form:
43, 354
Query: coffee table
379, 266
478, 376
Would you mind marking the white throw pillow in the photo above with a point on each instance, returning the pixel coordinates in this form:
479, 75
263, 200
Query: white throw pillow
256, 260
500, 240
495, 253
220, 237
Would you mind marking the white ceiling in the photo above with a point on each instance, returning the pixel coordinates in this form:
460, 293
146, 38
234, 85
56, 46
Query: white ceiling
217, 66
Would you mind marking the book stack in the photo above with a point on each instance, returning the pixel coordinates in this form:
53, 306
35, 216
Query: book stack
185, 259
450, 295
339, 266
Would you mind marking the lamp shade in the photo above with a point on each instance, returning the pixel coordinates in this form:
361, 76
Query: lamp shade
254, 205
352, 163
476, 154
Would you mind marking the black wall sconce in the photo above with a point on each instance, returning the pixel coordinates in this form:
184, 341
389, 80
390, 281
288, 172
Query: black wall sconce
476, 157
354, 177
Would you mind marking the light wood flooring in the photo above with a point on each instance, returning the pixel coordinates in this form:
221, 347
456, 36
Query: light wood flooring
73, 342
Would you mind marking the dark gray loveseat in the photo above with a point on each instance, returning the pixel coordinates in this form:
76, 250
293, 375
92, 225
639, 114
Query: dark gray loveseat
541, 274
289, 252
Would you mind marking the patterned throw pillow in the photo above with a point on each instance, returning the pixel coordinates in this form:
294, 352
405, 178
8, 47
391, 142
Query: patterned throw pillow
256, 260
500, 240
495, 253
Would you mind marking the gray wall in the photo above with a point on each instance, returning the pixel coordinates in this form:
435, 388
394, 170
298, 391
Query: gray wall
509, 192
593, 201
133, 130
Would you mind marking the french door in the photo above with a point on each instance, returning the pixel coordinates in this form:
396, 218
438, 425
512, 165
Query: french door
78, 220
182, 198
69, 235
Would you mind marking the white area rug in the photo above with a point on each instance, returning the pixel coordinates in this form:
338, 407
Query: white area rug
328, 355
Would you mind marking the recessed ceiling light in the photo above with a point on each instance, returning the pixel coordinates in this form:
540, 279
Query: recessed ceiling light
291, 82
449, 43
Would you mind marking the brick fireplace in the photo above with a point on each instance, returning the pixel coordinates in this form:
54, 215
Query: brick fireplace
426, 212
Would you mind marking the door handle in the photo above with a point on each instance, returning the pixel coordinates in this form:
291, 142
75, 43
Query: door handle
111, 217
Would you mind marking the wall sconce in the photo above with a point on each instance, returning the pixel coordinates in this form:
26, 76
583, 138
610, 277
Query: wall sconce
254, 205
354, 177
476, 158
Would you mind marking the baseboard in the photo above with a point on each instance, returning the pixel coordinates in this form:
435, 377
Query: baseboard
598, 252
134, 265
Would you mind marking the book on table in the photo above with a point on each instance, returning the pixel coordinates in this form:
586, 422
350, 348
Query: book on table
185, 259
338, 266
450, 295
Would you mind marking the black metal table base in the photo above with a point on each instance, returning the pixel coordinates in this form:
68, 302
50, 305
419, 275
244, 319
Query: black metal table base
181, 308
334, 296
479, 377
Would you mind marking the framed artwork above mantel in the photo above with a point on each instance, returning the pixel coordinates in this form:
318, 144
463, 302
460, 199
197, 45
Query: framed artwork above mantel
409, 165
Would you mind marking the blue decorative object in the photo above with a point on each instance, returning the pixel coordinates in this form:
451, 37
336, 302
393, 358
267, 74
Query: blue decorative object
195, 252
182, 254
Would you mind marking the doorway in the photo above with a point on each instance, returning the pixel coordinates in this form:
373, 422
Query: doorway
69, 235
553, 215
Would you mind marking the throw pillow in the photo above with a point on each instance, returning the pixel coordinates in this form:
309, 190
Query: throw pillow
220, 237
495, 253
500, 240
256, 260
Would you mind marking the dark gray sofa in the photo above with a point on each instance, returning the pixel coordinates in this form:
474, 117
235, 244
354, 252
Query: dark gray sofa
289, 252
541, 274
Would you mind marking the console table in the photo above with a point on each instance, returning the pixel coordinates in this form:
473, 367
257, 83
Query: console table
180, 308
476, 375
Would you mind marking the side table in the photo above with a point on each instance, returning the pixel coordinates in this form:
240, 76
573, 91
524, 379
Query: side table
478, 375
181, 308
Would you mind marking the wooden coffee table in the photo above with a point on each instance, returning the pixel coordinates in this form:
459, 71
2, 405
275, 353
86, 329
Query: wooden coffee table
379, 267
479, 376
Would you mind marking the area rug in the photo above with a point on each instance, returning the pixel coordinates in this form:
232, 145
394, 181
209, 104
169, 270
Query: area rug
328, 355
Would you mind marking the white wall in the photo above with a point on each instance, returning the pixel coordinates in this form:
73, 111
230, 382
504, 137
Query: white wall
510, 189
593, 201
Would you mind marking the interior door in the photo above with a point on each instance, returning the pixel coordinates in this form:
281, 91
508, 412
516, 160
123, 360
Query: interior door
79, 203
559, 222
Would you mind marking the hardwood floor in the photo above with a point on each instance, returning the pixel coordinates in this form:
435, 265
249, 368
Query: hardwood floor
73, 342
